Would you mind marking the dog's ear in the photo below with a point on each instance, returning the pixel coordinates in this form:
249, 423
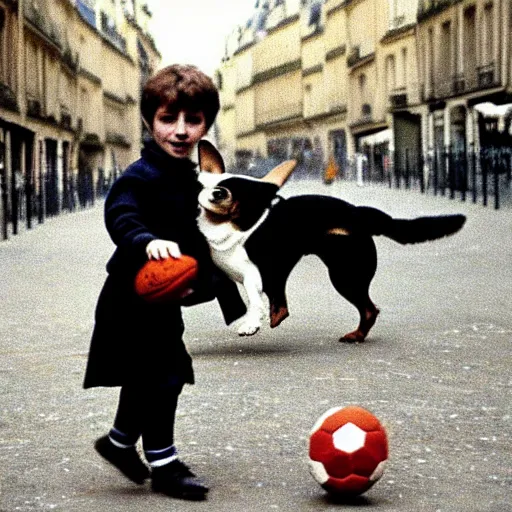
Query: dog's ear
278, 175
209, 158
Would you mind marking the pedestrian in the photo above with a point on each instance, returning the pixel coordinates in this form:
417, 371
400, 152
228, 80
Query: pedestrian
361, 161
150, 212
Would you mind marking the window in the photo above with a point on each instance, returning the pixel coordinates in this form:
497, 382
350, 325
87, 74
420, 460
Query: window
390, 73
469, 51
3, 46
446, 51
488, 34
315, 13
363, 93
397, 13
32, 74
404, 66
430, 59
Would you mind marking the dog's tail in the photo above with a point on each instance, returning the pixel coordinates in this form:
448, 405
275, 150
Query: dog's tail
423, 229
411, 231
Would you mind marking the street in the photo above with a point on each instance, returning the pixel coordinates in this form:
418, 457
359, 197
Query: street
435, 370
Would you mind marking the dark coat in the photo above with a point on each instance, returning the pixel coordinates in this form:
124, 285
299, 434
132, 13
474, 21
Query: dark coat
134, 341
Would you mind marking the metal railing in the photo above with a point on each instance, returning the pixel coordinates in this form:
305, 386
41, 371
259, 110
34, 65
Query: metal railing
480, 175
26, 202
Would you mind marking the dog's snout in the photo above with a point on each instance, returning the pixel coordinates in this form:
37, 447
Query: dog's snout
219, 194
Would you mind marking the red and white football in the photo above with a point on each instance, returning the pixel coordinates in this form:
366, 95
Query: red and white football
348, 450
166, 279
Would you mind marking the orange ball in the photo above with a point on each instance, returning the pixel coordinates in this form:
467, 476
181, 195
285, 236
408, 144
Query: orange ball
167, 279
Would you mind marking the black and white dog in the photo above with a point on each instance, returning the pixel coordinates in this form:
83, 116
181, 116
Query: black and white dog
257, 238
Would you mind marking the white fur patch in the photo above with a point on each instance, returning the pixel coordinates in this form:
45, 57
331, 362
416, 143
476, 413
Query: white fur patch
226, 243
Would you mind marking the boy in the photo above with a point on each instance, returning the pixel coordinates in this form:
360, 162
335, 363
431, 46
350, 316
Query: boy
150, 212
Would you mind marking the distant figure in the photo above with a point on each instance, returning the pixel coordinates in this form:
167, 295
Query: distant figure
331, 171
361, 160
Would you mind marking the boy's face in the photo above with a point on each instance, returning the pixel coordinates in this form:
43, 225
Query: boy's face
178, 131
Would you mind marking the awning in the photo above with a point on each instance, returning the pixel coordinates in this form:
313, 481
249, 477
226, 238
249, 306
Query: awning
491, 111
377, 138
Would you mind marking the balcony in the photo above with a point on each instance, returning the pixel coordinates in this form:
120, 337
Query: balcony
8, 98
65, 118
486, 75
338, 51
34, 108
363, 116
366, 111
399, 27
70, 58
91, 141
117, 139
428, 8
276, 16
398, 98
109, 30
397, 22
481, 78
277, 71
360, 55
41, 20
337, 107
459, 84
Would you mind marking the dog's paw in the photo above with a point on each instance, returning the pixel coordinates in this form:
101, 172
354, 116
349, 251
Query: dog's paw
352, 337
277, 315
249, 326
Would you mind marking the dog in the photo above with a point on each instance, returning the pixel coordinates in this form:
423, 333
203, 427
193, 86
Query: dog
257, 238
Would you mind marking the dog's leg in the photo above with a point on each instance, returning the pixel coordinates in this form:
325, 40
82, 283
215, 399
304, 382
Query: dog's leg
352, 262
278, 305
251, 322
368, 316
275, 275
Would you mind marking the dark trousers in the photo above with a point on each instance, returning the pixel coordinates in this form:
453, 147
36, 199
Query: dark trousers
148, 411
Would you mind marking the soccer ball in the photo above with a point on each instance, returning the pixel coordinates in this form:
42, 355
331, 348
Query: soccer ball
348, 450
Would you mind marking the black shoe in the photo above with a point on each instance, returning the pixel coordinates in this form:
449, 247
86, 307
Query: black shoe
176, 480
127, 460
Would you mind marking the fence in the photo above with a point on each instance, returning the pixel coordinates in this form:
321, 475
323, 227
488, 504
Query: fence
26, 202
479, 175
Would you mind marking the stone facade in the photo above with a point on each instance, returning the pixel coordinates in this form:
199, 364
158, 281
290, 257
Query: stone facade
70, 78
396, 80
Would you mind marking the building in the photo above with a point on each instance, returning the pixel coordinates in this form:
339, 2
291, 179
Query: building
464, 60
70, 75
398, 81
319, 79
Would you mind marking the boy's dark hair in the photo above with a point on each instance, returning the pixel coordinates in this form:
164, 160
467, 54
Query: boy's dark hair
180, 86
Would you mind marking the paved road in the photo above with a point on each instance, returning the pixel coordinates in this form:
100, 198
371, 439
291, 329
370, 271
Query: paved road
436, 371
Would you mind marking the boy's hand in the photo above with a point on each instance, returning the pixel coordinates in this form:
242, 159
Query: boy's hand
162, 249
